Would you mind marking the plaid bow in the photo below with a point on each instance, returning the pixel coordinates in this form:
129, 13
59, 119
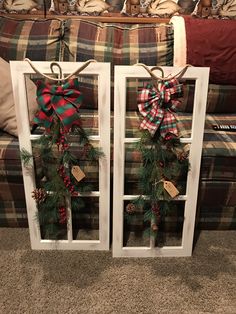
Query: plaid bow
157, 107
62, 101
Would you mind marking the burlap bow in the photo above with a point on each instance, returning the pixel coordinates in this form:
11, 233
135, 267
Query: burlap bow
61, 101
157, 106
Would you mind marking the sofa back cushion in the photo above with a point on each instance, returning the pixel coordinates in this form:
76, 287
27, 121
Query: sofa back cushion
220, 98
120, 44
33, 39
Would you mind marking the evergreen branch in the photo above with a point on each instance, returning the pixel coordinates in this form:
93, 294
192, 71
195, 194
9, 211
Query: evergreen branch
95, 153
139, 202
129, 218
147, 232
147, 215
77, 203
68, 158
25, 157
153, 234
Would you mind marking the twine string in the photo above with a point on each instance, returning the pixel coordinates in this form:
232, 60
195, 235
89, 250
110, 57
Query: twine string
55, 64
155, 77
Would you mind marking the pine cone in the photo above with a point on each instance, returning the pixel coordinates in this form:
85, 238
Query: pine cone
182, 156
130, 208
39, 195
87, 148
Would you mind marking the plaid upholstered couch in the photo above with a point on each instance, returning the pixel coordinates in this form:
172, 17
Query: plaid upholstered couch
71, 40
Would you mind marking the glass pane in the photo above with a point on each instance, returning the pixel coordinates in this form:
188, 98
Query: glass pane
140, 224
133, 163
134, 228
171, 226
85, 218
52, 219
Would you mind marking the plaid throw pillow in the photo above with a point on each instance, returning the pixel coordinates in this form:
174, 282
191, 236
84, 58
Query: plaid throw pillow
117, 44
36, 40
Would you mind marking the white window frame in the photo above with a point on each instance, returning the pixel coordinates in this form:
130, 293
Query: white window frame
201, 77
18, 71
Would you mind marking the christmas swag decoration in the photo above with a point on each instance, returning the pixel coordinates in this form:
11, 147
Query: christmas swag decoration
58, 116
164, 158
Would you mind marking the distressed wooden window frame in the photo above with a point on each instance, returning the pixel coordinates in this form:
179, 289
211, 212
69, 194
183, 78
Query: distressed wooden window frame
19, 69
122, 73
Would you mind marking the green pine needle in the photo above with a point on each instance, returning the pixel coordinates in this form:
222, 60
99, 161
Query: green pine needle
26, 157
147, 215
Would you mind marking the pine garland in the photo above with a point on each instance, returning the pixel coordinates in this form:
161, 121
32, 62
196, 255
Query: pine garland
57, 186
164, 158
58, 183
160, 163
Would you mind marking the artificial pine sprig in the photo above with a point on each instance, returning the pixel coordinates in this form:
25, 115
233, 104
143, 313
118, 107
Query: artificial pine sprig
163, 160
160, 163
57, 161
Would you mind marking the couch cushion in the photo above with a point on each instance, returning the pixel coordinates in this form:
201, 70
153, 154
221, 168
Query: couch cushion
36, 40
12, 197
216, 143
10, 169
118, 44
218, 168
217, 216
218, 193
220, 98
217, 174
13, 214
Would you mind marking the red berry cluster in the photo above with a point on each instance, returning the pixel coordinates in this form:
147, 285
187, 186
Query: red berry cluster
66, 179
168, 136
156, 222
62, 142
62, 214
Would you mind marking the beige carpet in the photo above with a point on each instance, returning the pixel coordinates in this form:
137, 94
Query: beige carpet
94, 282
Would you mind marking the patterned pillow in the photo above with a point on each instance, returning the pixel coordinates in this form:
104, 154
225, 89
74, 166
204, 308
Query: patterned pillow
36, 40
8, 117
151, 44
119, 44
